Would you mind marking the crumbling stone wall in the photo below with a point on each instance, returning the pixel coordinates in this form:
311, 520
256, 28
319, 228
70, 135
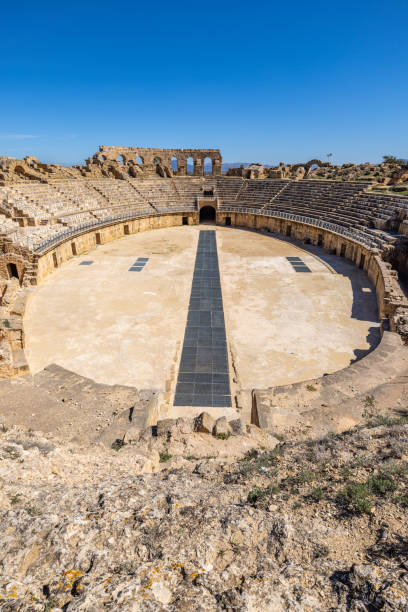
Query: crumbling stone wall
144, 162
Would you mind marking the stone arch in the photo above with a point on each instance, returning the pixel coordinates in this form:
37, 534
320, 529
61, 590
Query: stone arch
190, 165
139, 160
121, 159
211, 165
174, 163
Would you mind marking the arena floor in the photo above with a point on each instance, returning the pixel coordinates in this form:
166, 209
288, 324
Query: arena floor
291, 313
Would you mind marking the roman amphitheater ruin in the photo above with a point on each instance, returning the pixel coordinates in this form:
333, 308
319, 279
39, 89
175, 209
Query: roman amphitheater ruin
253, 284
203, 394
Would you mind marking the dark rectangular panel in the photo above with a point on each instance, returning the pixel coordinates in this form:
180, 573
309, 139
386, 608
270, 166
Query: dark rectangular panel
203, 378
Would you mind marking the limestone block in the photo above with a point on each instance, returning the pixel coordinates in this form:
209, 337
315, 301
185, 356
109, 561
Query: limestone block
166, 427
237, 427
185, 425
221, 427
204, 423
131, 435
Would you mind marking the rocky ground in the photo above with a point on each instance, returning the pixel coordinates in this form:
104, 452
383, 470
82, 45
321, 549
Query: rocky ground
179, 519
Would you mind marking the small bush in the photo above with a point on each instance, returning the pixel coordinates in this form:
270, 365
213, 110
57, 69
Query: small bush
224, 436
402, 500
117, 445
316, 494
254, 461
369, 401
164, 456
261, 496
304, 477
381, 484
11, 452
321, 550
33, 510
15, 499
355, 497
311, 388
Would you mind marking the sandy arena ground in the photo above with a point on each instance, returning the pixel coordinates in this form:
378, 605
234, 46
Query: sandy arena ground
116, 326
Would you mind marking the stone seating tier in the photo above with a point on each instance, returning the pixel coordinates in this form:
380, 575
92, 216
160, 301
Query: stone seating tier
51, 208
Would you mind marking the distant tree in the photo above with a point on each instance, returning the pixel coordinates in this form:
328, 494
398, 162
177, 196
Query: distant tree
391, 160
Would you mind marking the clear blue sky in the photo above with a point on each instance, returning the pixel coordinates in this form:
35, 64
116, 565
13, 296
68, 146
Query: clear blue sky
263, 81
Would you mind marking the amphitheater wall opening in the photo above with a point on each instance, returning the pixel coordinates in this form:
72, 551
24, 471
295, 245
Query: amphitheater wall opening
12, 271
190, 166
207, 166
207, 213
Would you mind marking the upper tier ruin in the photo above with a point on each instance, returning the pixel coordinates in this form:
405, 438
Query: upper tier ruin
119, 163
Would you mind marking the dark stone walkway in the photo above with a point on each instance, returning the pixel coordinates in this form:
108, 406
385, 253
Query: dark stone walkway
203, 378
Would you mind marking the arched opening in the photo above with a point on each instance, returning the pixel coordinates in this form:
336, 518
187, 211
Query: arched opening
174, 163
190, 166
207, 213
121, 159
102, 158
156, 161
12, 270
139, 160
208, 165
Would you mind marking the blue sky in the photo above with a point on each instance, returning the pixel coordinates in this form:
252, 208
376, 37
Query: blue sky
268, 81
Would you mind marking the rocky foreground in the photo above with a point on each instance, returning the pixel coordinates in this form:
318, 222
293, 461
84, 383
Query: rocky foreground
196, 519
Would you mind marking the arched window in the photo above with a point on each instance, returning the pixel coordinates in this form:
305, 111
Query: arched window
102, 158
174, 163
121, 159
156, 161
139, 160
190, 165
208, 165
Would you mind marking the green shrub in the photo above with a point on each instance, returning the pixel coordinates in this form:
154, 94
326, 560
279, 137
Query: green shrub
381, 484
355, 497
224, 436
316, 494
261, 496
117, 445
33, 510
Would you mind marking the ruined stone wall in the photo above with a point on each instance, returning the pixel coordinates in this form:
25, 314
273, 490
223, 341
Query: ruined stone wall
147, 160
